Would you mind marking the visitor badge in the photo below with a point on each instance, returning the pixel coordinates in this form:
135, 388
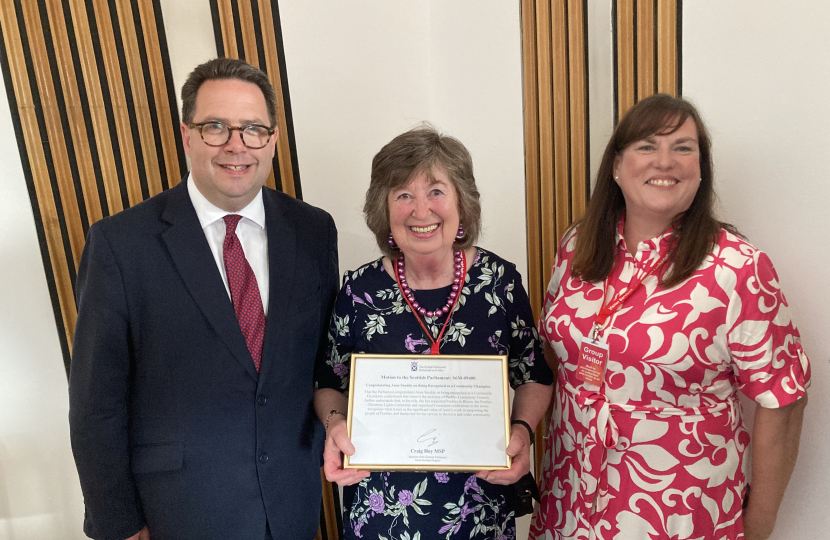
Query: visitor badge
593, 358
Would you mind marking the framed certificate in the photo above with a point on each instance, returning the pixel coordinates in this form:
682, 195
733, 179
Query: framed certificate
428, 412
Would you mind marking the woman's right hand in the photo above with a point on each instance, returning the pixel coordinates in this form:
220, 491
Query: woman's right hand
338, 443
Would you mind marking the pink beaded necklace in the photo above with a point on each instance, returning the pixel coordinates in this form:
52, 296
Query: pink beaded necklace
417, 309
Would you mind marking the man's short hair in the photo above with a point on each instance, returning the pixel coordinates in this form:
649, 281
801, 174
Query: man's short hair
226, 69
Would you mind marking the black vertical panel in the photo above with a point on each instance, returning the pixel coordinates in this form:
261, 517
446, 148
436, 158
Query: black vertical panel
171, 90
241, 53
260, 45
286, 97
217, 29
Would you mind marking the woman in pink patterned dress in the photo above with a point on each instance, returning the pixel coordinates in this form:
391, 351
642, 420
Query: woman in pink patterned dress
687, 313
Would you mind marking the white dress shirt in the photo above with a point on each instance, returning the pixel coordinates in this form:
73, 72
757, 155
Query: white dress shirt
250, 231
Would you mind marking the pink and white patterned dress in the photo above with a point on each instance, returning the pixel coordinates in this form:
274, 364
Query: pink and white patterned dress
658, 452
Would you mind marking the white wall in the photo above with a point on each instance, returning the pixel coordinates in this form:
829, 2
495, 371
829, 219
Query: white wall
358, 73
760, 73
362, 72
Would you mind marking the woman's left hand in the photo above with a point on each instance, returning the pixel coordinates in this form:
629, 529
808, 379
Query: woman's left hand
519, 451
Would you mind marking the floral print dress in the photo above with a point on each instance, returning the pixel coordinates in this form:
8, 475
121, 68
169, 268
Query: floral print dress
492, 316
660, 450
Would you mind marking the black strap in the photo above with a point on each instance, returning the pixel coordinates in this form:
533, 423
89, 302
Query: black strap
527, 426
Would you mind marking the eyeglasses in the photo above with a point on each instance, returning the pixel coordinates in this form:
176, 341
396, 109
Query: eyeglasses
254, 136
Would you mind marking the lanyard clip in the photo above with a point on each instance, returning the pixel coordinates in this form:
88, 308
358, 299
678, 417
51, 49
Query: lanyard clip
595, 333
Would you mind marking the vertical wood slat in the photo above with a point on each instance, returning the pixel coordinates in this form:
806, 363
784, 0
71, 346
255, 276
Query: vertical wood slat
118, 98
164, 115
577, 66
227, 25
561, 130
272, 67
141, 106
645, 49
97, 107
54, 130
37, 165
535, 277
544, 64
248, 27
667, 47
625, 56
72, 103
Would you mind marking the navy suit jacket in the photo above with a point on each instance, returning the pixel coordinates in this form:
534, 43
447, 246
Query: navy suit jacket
171, 425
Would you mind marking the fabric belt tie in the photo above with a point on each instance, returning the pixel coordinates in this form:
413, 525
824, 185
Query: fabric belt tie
247, 302
603, 434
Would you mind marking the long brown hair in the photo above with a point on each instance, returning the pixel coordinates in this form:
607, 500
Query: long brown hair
696, 229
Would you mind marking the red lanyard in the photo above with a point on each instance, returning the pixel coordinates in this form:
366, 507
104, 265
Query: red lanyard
436, 343
614, 305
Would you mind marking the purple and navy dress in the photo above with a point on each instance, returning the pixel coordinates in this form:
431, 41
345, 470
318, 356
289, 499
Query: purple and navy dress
492, 316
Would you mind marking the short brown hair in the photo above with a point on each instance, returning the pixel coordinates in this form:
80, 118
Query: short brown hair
696, 229
225, 69
422, 149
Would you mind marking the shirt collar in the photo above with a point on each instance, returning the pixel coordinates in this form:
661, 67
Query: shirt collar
208, 213
660, 243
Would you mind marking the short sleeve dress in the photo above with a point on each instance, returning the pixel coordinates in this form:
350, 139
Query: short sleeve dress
492, 316
659, 450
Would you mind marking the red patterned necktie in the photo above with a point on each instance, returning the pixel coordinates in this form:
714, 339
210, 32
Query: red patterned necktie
247, 303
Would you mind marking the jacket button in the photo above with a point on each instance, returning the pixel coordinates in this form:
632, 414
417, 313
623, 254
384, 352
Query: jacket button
261, 401
263, 458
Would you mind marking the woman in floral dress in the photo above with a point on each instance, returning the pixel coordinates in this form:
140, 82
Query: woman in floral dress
422, 206
688, 313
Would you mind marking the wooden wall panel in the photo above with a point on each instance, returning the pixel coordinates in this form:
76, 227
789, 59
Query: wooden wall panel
668, 46
646, 44
625, 67
250, 30
90, 90
556, 138
555, 73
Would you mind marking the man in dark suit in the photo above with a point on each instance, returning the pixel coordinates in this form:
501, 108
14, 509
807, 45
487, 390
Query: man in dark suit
201, 314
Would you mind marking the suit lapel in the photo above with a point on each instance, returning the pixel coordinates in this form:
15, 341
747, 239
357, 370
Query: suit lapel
282, 239
191, 255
